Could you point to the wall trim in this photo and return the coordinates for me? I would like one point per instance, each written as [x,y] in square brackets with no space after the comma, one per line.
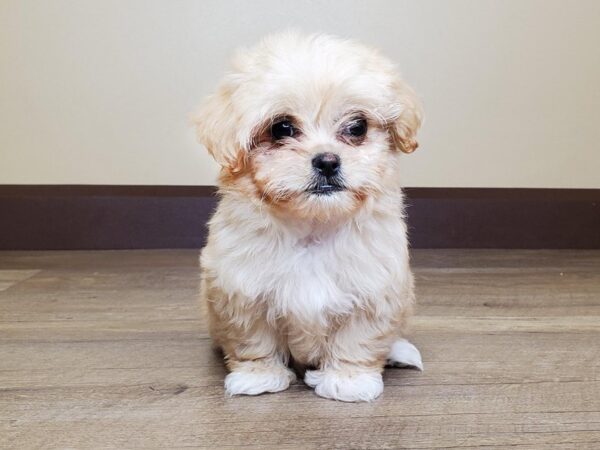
[68,217]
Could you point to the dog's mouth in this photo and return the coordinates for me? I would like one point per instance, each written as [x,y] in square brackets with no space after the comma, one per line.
[326,187]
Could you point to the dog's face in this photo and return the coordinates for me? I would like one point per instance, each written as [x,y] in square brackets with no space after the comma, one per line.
[311,126]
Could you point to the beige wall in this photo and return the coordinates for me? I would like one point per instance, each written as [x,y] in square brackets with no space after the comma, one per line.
[100,91]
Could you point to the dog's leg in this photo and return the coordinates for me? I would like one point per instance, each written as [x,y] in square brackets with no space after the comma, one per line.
[353,362]
[255,377]
[404,354]
[254,353]
[256,360]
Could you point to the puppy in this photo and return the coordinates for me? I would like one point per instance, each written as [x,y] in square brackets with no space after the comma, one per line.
[307,253]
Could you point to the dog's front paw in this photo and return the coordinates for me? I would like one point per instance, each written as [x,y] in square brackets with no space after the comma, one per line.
[254,381]
[347,387]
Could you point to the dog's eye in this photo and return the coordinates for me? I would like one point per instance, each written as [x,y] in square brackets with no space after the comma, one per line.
[282,129]
[357,128]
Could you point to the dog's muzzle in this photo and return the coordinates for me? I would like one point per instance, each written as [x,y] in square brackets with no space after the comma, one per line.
[327,174]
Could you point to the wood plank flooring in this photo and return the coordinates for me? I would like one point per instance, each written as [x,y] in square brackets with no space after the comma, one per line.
[107,350]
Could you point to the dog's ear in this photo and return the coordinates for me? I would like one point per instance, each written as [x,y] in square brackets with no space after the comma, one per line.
[216,126]
[406,118]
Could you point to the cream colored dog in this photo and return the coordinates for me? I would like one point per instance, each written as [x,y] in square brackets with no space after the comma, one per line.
[307,253]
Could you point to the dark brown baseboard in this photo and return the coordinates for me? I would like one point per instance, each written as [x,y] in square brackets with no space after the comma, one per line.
[52,217]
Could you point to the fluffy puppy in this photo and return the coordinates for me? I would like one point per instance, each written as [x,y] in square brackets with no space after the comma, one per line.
[307,253]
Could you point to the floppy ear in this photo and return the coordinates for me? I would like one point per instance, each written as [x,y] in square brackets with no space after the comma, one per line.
[216,126]
[407,118]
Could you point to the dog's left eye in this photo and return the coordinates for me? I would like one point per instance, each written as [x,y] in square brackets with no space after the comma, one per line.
[282,129]
[357,128]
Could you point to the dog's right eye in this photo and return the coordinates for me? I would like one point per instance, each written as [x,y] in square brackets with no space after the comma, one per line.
[282,129]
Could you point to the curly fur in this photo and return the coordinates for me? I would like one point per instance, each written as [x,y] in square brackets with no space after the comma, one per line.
[322,278]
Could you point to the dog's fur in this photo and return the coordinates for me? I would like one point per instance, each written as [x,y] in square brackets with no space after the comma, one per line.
[323,278]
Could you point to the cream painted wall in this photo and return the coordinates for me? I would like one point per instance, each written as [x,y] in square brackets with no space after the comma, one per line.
[100,91]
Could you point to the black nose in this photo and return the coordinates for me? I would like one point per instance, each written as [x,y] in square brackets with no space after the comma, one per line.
[327,164]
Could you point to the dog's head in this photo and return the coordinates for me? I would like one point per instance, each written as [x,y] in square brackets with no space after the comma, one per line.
[311,126]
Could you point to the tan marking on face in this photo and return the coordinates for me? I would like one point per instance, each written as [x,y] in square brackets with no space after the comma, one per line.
[235,170]
[263,193]
[360,197]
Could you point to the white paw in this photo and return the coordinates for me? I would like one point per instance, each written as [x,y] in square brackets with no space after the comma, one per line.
[403,354]
[254,382]
[352,387]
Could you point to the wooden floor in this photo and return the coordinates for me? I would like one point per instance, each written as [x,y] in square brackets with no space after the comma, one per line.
[106,350]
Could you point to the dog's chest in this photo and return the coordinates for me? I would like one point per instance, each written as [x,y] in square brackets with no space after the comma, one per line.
[314,276]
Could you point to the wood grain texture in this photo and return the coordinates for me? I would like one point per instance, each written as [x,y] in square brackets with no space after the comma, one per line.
[107,350]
